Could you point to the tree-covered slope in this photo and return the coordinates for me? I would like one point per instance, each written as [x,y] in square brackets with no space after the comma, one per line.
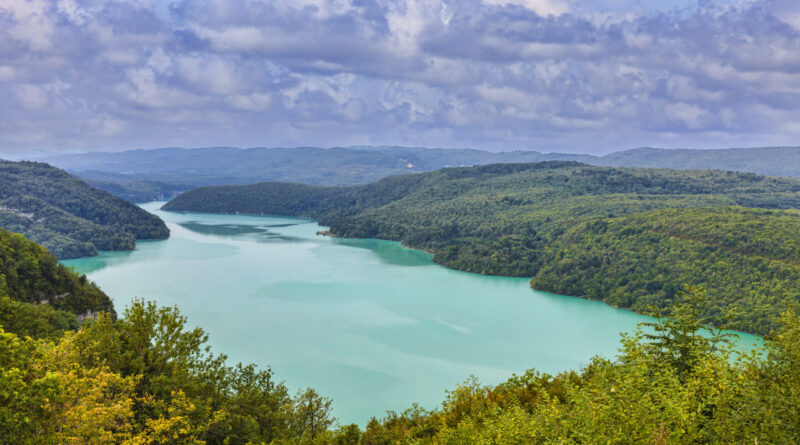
[519,220]
[66,215]
[31,274]
[749,257]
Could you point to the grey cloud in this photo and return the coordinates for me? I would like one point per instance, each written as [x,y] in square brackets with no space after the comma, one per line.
[119,74]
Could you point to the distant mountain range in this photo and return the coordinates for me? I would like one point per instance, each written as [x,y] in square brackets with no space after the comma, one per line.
[144,175]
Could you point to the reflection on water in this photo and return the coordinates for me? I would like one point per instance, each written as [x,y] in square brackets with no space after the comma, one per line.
[258,233]
[389,252]
[103,260]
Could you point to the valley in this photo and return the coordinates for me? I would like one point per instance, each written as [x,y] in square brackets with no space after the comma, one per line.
[602,233]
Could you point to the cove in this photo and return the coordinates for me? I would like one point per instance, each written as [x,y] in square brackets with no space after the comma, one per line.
[369,323]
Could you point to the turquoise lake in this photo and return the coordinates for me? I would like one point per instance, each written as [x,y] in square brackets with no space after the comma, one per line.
[369,323]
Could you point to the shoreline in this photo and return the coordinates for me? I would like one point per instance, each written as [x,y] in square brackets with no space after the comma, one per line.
[328,233]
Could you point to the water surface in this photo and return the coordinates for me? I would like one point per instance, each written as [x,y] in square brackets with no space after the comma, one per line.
[369,323]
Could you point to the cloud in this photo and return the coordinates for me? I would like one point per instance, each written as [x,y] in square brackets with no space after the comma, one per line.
[497,74]
[541,7]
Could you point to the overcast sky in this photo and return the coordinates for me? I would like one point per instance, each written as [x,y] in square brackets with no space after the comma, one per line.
[549,75]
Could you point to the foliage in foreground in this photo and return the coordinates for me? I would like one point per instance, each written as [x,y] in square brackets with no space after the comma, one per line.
[148,379]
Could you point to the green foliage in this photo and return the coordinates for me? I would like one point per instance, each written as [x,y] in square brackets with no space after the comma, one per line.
[34,320]
[627,236]
[149,378]
[68,216]
[748,256]
[180,386]
[678,340]
[31,274]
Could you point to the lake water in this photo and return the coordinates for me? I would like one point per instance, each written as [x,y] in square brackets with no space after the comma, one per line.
[369,323]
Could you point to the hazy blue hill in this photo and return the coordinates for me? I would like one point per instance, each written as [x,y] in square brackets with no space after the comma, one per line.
[599,232]
[341,162]
[772,161]
[142,175]
[66,215]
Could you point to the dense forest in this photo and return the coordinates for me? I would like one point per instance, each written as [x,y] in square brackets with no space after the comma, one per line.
[149,378]
[31,274]
[575,229]
[147,175]
[68,216]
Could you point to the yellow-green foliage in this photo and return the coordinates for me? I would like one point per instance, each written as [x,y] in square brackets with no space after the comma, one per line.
[147,379]
[29,273]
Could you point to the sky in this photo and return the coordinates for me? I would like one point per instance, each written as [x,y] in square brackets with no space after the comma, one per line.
[547,75]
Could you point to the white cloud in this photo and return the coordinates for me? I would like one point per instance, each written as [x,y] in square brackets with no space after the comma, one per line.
[32,97]
[487,73]
[159,61]
[31,23]
[541,7]
[213,75]
[250,102]
[7,73]
[692,116]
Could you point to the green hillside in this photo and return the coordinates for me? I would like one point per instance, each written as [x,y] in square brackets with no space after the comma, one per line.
[66,215]
[31,274]
[749,257]
[525,220]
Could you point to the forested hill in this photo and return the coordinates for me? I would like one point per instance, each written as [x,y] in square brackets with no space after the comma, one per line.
[31,274]
[597,232]
[66,215]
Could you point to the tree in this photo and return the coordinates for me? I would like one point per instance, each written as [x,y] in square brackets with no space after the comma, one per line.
[678,339]
[311,415]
